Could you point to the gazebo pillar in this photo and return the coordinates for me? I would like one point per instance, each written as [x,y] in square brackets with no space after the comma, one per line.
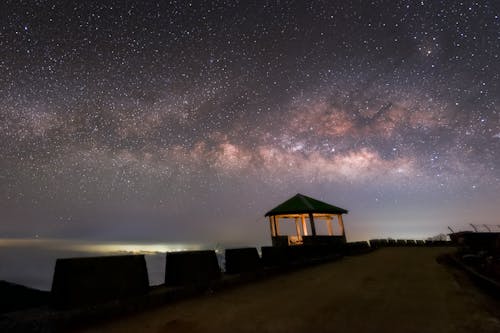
[313,227]
[271,224]
[297,228]
[341,224]
[329,225]
[304,225]
[276,225]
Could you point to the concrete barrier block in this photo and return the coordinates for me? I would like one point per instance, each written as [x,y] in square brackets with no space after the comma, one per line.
[375,243]
[197,268]
[378,243]
[275,256]
[86,281]
[357,247]
[242,260]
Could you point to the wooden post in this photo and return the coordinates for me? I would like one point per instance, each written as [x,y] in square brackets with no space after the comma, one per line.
[297,228]
[304,225]
[276,225]
[313,227]
[341,224]
[329,225]
[271,224]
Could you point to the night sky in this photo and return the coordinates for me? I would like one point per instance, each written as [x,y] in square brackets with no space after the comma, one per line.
[188,121]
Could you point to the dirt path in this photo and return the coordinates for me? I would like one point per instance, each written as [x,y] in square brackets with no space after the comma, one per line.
[390,290]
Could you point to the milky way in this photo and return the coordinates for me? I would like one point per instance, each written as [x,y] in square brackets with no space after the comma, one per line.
[189,120]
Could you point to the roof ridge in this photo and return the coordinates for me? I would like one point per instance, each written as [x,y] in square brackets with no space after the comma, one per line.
[305,201]
[303,204]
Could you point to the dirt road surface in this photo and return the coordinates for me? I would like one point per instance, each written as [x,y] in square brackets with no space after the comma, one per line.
[389,290]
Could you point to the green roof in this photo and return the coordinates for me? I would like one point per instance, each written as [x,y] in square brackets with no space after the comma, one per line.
[301,204]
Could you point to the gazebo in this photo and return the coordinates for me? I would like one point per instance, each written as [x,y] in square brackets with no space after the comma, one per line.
[297,210]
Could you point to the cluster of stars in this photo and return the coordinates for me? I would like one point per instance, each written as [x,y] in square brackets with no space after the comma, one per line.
[170,103]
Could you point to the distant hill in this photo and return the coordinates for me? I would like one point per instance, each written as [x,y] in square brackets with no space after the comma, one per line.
[16,297]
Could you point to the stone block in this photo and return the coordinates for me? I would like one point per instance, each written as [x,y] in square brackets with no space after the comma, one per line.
[195,268]
[242,260]
[92,280]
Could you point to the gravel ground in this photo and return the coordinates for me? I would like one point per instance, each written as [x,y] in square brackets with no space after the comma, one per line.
[389,290]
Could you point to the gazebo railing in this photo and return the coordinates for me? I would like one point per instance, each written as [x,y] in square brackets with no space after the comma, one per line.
[318,240]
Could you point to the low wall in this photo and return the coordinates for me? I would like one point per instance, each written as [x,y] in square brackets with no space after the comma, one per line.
[378,243]
[282,256]
[400,242]
[357,248]
[86,281]
[323,240]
